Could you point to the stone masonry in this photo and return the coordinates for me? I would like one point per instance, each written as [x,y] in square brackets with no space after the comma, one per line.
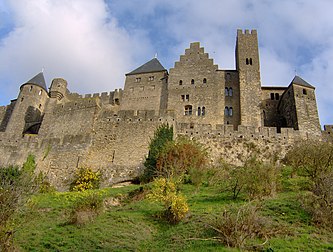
[227,110]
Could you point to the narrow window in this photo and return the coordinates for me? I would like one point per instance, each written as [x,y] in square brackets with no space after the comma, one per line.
[183,97]
[230,111]
[192,81]
[272,96]
[230,91]
[40,106]
[277,96]
[180,82]
[22,99]
[188,110]
[30,89]
[251,61]
[247,61]
[203,111]
[187,97]
[204,81]
[226,111]
[151,78]
[40,92]
[199,111]
[226,91]
[304,91]
[137,79]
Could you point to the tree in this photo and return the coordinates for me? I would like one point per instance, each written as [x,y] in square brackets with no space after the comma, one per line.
[162,136]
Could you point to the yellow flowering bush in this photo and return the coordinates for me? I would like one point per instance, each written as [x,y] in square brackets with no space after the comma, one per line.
[165,192]
[85,179]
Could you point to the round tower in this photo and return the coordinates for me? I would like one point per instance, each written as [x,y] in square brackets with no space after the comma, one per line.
[29,107]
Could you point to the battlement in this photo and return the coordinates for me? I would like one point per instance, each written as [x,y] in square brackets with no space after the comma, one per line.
[240,32]
[242,132]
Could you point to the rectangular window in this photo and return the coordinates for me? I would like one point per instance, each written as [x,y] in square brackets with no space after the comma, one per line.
[188,110]
[272,96]
[187,97]
[183,97]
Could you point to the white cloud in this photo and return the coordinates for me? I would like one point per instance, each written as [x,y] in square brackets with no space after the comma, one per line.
[73,39]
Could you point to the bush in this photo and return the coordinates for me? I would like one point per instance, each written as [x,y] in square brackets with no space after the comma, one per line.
[314,161]
[239,224]
[85,179]
[86,208]
[162,136]
[16,185]
[183,157]
[255,179]
[175,205]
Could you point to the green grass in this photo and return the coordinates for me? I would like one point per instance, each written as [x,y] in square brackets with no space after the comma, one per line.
[135,225]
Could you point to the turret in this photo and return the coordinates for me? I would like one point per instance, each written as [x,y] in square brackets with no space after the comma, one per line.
[58,88]
[29,108]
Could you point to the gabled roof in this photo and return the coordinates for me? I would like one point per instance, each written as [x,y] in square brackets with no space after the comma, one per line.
[299,81]
[151,66]
[38,80]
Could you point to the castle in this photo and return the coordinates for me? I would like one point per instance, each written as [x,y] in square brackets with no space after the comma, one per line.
[224,109]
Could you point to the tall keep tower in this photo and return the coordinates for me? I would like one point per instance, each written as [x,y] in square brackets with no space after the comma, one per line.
[248,67]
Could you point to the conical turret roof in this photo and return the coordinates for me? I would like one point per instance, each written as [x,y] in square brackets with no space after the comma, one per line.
[151,66]
[299,81]
[38,80]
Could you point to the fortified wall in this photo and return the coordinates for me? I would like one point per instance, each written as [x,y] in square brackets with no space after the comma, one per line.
[226,110]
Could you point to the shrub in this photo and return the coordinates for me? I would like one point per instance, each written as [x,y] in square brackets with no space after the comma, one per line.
[16,185]
[85,178]
[162,136]
[236,225]
[181,157]
[86,208]
[255,179]
[175,205]
[314,161]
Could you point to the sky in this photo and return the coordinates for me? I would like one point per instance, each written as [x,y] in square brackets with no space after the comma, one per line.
[94,43]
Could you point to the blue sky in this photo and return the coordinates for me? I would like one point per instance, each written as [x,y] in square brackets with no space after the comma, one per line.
[92,44]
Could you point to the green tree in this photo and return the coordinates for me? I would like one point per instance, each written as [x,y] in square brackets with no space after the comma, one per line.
[162,136]
[16,186]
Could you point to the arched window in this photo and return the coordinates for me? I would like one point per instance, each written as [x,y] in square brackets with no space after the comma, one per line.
[226,111]
[180,82]
[204,81]
[226,91]
[199,111]
[203,111]
[192,81]
[230,111]
[277,96]
[188,110]
[230,91]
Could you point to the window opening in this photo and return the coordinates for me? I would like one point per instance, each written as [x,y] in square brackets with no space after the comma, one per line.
[226,91]
[188,110]
[137,79]
[251,61]
[272,96]
[203,111]
[277,96]
[192,81]
[247,61]
[226,111]
[180,82]
[230,91]
[183,97]
[40,92]
[30,89]
[304,91]
[199,111]
[230,111]
[187,97]
[204,81]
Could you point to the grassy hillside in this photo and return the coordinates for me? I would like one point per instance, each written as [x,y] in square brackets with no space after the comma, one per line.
[132,223]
